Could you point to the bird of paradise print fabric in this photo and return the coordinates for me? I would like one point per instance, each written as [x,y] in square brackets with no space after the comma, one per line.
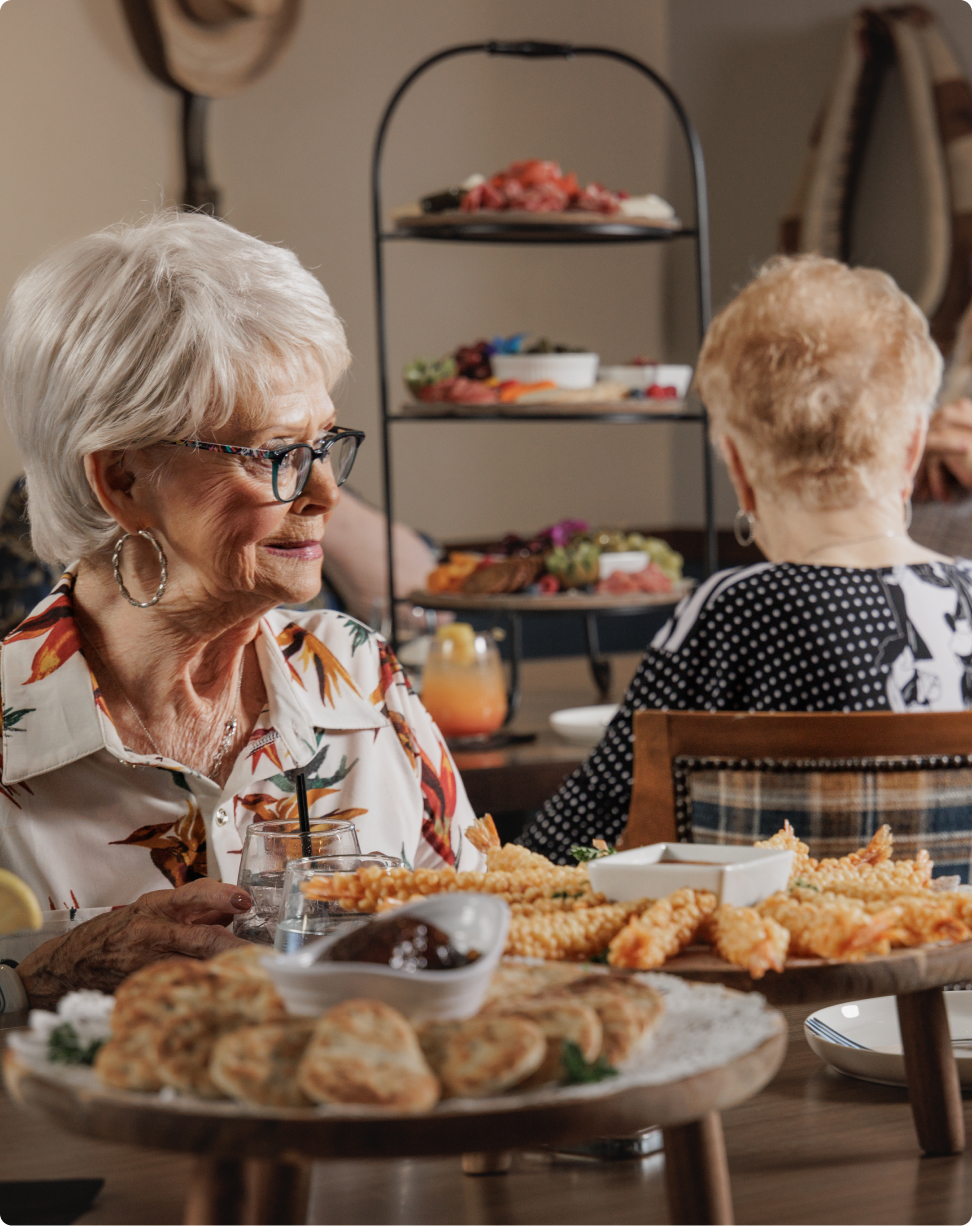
[90,824]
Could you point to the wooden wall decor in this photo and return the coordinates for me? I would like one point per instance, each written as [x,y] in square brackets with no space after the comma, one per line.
[207,49]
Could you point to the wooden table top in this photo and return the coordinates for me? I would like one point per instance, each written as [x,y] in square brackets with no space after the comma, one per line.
[814,1146]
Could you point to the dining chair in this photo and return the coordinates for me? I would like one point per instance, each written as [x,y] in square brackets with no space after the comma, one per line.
[733,777]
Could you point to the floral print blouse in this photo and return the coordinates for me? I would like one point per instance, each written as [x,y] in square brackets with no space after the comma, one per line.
[89,824]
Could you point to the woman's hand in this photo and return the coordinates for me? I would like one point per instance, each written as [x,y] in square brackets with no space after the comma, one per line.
[947,462]
[189,920]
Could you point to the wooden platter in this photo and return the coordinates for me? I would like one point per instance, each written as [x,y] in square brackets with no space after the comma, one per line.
[815,981]
[513,225]
[581,602]
[629,410]
[234,1131]
[711,1049]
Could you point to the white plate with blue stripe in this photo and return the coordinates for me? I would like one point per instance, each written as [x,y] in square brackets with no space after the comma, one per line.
[862,1038]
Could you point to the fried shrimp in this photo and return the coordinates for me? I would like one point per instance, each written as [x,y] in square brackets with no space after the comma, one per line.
[745,938]
[666,927]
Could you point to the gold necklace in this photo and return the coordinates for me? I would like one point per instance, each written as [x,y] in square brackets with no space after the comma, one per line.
[229,728]
[861,540]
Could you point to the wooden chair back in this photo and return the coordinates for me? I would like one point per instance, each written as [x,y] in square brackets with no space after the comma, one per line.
[661,736]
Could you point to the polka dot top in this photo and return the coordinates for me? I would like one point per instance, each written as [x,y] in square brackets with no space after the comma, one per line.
[779,637]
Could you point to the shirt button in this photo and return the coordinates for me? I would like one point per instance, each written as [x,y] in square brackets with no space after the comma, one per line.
[222,817]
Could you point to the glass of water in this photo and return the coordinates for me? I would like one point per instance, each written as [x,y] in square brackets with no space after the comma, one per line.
[267,850]
[303,918]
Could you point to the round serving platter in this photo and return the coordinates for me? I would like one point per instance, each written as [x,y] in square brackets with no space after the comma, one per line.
[818,981]
[713,1049]
[566,602]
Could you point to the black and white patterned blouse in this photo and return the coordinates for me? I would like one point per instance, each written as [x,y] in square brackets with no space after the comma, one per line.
[779,637]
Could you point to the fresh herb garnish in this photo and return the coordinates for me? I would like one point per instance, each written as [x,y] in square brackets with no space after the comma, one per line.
[566,894]
[64,1046]
[591,853]
[601,956]
[805,885]
[577,1071]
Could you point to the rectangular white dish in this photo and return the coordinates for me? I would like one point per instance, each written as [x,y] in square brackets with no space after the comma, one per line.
[742,876]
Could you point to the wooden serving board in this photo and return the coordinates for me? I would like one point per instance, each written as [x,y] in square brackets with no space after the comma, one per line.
[575,408]
[520,219]
[815,981]
[234,1131]
[518,602]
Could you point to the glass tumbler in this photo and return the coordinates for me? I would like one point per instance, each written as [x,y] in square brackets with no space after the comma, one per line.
[267,850]
[463,683]
[304,918]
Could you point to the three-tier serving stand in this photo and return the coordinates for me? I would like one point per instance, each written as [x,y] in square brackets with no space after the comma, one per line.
[549,230]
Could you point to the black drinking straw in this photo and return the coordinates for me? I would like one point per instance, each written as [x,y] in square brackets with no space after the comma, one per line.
[303,814]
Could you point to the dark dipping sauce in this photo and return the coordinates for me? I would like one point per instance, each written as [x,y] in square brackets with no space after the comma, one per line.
[404,943]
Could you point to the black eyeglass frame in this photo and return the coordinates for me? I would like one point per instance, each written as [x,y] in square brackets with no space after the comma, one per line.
[276,456]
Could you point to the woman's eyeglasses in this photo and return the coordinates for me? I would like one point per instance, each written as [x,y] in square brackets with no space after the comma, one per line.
[289,468]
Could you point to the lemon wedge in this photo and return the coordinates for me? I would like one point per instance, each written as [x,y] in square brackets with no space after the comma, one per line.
[19,907]
[457,642]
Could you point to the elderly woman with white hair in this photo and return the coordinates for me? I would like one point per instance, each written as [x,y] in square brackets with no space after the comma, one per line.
[168,386]
[818,379]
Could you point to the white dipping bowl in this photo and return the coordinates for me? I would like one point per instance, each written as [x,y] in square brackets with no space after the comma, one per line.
[583,725]
[635,377]
[743,876]
[569,370]
[472,921]
[629,562]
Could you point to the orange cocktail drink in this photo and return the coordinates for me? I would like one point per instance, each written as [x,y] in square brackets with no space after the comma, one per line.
[463,685]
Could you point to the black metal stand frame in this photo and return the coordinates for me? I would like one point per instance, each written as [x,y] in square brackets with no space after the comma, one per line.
[581,233]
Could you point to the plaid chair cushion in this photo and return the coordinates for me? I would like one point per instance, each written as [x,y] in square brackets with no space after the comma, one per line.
[834,807]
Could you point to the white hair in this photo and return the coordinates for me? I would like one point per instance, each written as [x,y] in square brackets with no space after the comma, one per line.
[142,333]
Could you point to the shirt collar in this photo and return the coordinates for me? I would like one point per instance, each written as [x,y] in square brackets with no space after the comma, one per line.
[53,713]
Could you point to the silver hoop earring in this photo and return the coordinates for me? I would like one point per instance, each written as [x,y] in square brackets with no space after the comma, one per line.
[908,513]
[745,536]
[163,565]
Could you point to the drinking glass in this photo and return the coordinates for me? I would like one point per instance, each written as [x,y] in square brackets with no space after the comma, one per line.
[302,918]
[267,850]
[463,684]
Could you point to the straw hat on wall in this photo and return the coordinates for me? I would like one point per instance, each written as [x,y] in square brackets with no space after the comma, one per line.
[210,47]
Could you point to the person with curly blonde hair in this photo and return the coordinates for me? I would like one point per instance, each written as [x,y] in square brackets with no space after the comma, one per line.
[819,380]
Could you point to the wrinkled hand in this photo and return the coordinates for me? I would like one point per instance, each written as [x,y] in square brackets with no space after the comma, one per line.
[946,467]
[101,952]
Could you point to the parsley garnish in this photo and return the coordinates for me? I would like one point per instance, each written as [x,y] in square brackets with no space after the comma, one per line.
[577,1071]
[64,1047]
[590,853]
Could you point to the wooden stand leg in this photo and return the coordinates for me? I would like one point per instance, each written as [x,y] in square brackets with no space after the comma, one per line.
[933,1083]
[216,1193]
[696,1174]
[494,1163]
[276,1193]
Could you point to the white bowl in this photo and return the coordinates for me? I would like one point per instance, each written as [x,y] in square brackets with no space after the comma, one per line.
[565,369]
[862,1038]
[679,377]
[629,562]
[583,725]
[472,921]
[742,876]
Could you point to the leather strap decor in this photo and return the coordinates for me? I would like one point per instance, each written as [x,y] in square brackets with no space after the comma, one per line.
[939,101]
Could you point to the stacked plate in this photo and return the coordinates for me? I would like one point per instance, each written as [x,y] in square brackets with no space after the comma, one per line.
[862,1038]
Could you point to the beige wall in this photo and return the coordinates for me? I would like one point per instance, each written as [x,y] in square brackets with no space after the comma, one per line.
[753,74]
[94,141]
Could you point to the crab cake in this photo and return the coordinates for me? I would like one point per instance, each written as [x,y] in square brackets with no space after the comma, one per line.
[483,1055]
[517,979]
[258,1064]
[184,1047]
[364,1051]
[621,1022]
[562,1021]
[186,988]
[129,1062]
